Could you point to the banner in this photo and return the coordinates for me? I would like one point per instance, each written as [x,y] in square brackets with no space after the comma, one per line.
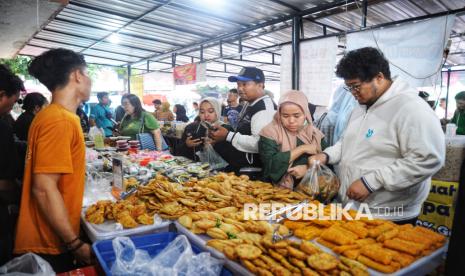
[158,81]
[414,50]
[189,73]
[317,62]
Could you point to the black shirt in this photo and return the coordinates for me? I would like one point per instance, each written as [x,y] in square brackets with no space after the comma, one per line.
[22,124]
[9,161]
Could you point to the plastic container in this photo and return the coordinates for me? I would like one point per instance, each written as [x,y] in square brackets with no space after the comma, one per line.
[98,232]
[153,244]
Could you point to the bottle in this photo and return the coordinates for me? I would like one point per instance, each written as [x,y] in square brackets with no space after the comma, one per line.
[99,140]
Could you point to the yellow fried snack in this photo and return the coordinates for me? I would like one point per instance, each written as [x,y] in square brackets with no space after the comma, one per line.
[378,230]
[308,232]
[431,234]
[415,236]
[263,272]
[249,265]
[294,225]
[402,258]
[366,241]
[185,221]
[205,224]
[145,219]
[357,228]
[126,220]
[95,215]
[326,243]
[197,230]
[377,266]
[390,234]
[230,253]
[322,261]
[216,233]
[309,272]
[404,246]
[247,251]
[309,247]
[296,253]
[226,210]
[297,262]
[217,244]
[376,253]
[352,263]
[335,235]
[342,248]
[352,254]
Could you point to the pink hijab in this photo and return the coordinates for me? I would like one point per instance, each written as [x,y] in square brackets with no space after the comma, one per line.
[287,140]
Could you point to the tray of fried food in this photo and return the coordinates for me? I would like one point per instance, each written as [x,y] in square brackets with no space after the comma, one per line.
[383,245]
[130,213]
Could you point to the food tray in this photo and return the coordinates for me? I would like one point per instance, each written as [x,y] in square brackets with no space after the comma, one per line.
[108,229]
[423,266]
[153,244]
[420,267]
[201,240]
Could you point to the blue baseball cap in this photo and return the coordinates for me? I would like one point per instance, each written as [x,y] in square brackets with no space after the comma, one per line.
[248,74]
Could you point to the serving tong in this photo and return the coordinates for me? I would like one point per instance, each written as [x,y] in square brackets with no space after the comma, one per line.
[284,213]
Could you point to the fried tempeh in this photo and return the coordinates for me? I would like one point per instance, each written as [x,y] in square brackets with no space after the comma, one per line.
[376,253]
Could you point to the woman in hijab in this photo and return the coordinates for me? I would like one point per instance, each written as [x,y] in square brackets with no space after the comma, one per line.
[181,114]
[289,140]
[196,133]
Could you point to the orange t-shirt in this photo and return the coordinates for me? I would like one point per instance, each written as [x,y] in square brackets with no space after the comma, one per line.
[55,145]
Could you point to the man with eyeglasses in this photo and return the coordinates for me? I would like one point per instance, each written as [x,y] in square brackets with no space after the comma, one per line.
[393,142]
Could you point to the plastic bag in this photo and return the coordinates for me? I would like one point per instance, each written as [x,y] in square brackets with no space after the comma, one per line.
[319,182]
[27,264]
[176,255]
[129,260]
[210,156]
[202,264]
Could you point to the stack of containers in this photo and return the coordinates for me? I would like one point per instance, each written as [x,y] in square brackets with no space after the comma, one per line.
[438,209]
[122,145]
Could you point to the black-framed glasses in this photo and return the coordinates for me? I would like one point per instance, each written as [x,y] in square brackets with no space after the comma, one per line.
[353,88]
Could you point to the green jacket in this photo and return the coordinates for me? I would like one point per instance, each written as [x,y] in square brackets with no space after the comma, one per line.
[275,162]
[459,121]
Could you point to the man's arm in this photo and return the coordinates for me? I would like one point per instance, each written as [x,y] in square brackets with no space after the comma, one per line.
[249,143]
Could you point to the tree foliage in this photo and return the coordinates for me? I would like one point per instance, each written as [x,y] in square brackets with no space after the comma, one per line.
[18,65]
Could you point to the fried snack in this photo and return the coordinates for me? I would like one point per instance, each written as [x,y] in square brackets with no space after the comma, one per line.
[289,266]
[352,254]
[390,234]
[404,246]
[185,221]
[297,262]
[309,248]
[294,225]
[229,228]
[322,261]
[205,224]
[335,235]
[378,230]
[326,243]
[145,219]
[352,263]
[429,233]
[357,228]
[247,251]
[341,249]
[323,223]
[366,241]
[309,272]
[415,236]
[373,222]
[95,215]
[376,253]
[196,230]
[217,244]
[308,232]
[230,253]
[249,265]
[216,233]
[283,252]
[263,272]
[126,220]
[377,266]
[402,258]
[296,253]
[226,210]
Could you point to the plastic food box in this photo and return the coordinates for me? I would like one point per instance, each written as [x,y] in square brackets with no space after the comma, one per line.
[107,229]
[153,244]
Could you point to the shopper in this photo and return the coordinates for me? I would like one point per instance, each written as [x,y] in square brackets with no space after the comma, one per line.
[164,113]
[240,147]
[233,109]
[32,104]
[119,112]
[195,134]
[101,115]
[53,185]
[459,115]
[10,87]
[393,142]
[137,120]
[181,115]
[288,141]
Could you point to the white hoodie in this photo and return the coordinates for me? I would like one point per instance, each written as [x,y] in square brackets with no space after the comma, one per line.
[394,147]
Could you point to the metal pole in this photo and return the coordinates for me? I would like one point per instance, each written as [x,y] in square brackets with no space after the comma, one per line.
[129,78]
[447,92]
[364,13]
[201,53]
[296,22]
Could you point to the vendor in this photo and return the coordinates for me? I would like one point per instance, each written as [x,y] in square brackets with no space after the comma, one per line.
[137,120]
[287,142]
[393,142]
[196,133]
[459,115]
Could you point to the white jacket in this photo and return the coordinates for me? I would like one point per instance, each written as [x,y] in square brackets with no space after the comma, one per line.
[394,147]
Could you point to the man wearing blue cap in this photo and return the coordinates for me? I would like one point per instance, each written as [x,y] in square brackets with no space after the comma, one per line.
[241,144]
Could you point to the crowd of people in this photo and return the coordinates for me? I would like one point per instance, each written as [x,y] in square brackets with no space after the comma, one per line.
[390,145]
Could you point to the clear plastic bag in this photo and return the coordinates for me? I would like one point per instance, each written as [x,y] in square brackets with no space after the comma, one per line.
[129,260]
[210,156]
[27,264]
[319,182]
[176,255]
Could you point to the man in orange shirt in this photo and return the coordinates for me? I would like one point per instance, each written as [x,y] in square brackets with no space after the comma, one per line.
[53,185]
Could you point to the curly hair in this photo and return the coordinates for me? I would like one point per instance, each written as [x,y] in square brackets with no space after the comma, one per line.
[53,67]
[364,64]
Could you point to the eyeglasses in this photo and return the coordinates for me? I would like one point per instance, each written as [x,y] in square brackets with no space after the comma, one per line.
[353,88]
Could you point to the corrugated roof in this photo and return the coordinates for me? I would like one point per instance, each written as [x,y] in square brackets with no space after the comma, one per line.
[152,30]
